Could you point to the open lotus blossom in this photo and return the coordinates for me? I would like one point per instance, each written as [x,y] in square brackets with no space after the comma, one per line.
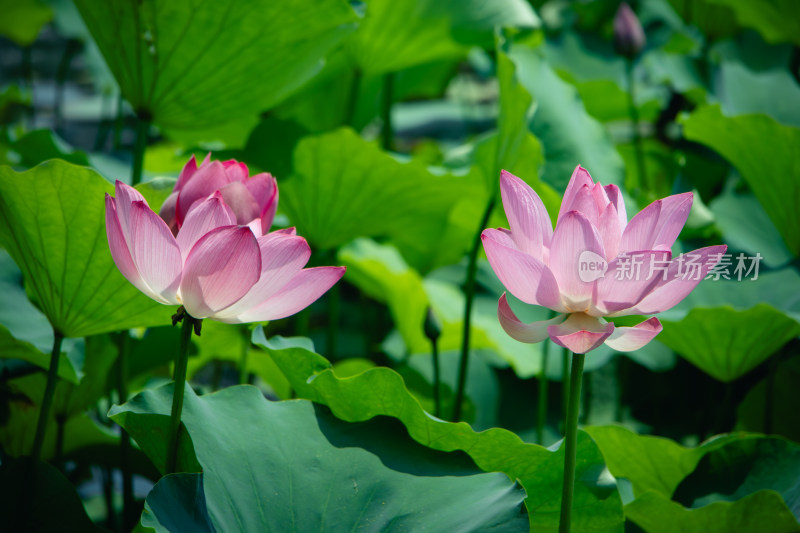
[253,200]
[215,267]
[595,264]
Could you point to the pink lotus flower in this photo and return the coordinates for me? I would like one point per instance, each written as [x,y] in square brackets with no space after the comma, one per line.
[253,200]
[575,270]
[214,267]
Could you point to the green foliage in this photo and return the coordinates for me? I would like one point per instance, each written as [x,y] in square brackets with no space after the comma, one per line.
[754,235]
[44,493]
[760,511]
[757,146]
[344,187]
[385,42]
[52,223]
[568,134]
[172,81]
[777,20]
[23,19]
[40,145]
[11,348]
[769,407]
[381,392]
[327,475]
[741,467]
[68,414]
[729,483]
[650,463]
[301,89]
[726,343]
[381,272]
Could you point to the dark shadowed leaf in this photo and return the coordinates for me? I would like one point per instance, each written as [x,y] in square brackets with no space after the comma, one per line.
[37,498]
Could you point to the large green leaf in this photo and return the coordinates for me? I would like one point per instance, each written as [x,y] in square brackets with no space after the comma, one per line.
[758,147]
[52,223]
[763,511]
[778,21]
[345,187]
[387,42]
[569,135]
[308,471]
[726,343]
[191,64]
[382,392]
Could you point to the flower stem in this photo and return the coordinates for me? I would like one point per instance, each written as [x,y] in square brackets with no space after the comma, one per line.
[142,128]
[334,306]
[437,402]
[570,442]
[588,391]
[58,456]
[27,76]
[179,378]
[352,98]
[564,387]
[622,372]
[637,138]
[542,415]
[386,111]
[769,393]
[47,399]
[244,375]
[72,48]
[118,123]
[124,345]
[469,296]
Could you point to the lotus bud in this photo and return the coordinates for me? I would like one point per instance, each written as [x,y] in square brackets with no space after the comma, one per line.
[433,327]
[629,36]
